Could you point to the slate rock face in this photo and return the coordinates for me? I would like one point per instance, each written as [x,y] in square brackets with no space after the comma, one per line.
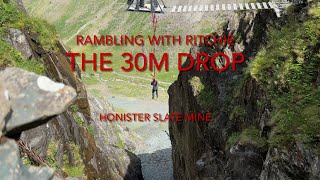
[18,40]
[4,108]
[37,139]
[27,100]
[11,166]
[296,162]
[34,99]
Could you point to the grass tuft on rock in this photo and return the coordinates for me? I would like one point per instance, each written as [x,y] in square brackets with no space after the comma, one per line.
[251,135]
[76,170]
[9,57]
[11,17]
[196,85]
[233,139]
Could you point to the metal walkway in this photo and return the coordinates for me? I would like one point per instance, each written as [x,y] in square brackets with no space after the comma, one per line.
[232,7]
[278,6]
[223,7]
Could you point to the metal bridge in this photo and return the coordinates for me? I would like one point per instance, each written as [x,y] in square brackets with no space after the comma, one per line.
[277,7]
[154,6]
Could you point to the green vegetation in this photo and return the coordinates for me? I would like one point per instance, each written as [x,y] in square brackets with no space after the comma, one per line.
[76,170]
[110,18]
[233,139]
[196,84]
[78,120]
[51,155]
[90,80]
[251,135]
[120,110]
[132,90]
[91,129]
[206,99]
[47,35]
[73,171]
[9,57]
[238,113]
[120,143]
[287,68]
[112,76]
[32,66]
[26,160]
[11,17]
[74,108]
[97,93]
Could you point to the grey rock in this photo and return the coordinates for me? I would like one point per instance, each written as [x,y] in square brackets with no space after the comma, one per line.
[12,168]
[125,165]
[34,99]
[74,178]
[199,149]
[296,162]
[57,178]
[37,139]
[245,162]
[4,108]
[18,40]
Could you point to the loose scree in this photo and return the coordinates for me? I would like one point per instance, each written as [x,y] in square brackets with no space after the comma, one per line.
[141,61]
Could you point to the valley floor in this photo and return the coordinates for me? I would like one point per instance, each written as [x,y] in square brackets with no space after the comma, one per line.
[155,154]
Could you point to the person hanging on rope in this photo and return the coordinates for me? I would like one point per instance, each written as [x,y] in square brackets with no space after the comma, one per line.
[154,84]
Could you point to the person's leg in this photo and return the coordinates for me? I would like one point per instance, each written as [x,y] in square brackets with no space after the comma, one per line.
[152,93]
[157,93]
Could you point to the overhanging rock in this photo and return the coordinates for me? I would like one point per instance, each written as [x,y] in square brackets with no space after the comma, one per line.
[34,99]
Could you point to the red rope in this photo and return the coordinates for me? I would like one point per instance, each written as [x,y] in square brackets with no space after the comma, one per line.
[155,23]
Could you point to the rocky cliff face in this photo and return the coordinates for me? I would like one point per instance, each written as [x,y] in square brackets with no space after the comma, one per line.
[21,93]
[70,139]
[81,127]
[238,143]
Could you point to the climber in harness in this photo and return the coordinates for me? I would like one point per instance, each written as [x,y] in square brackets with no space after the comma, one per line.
[154,84]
